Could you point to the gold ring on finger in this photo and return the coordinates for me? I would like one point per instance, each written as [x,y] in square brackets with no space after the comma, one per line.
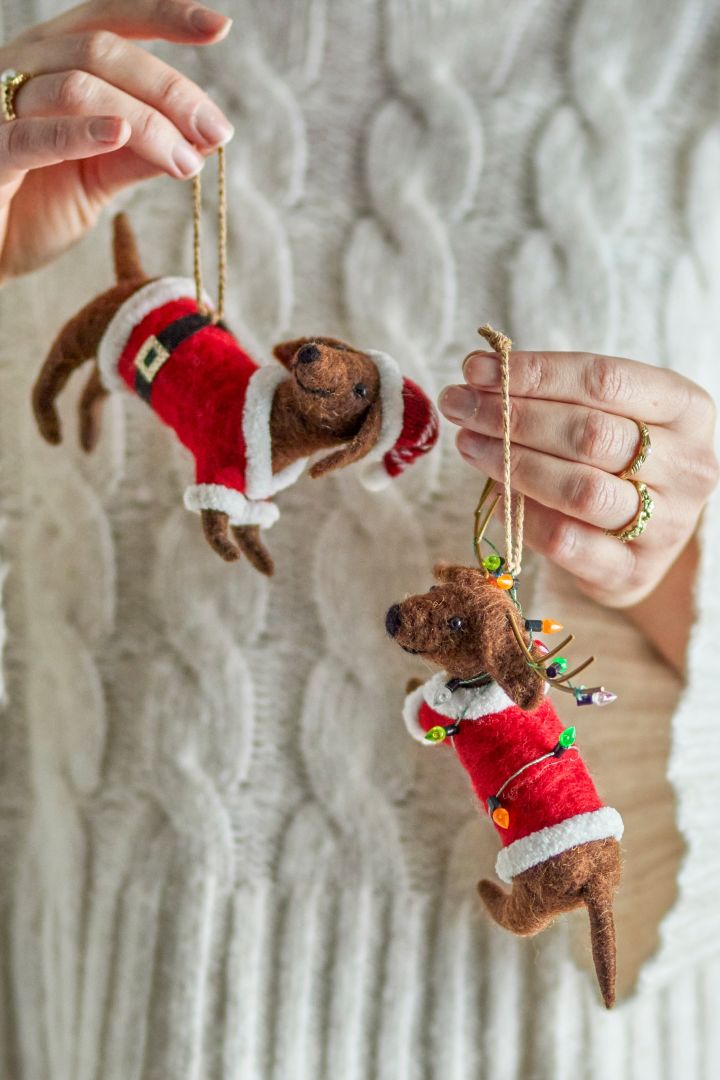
[643,452]
[10,83]
[639,523]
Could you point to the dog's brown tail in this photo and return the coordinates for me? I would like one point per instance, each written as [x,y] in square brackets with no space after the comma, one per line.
[125,250]
[599,899]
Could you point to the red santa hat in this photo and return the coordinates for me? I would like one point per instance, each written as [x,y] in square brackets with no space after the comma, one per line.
[409,426]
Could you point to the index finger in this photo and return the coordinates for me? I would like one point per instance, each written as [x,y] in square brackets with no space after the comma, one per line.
[610,383]
[180,21]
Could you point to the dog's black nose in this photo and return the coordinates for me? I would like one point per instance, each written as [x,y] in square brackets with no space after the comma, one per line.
[392,620]
[307,354]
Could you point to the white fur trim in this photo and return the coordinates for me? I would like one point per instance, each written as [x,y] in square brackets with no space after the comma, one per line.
[545,843]
[260,482]
[240,510]
[469,703]
[129,315]
[411,713]
[373,475]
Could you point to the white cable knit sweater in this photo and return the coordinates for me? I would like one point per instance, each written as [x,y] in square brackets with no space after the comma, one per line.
[223,858]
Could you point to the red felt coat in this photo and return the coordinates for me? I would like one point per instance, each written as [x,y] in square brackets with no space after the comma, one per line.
[199,380]
[552,805]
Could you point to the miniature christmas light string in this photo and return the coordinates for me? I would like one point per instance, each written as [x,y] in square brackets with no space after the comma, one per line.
[505,572]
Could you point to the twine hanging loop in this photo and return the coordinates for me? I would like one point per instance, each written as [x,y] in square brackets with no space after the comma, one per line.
[513,506]
[218,314]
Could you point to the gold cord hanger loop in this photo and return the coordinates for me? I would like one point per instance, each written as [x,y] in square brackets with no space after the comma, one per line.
[218,314]
[513,530]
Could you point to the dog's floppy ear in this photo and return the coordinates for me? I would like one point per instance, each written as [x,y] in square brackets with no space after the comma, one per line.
[285,350]
[502,658]
[511,670]
[360,445]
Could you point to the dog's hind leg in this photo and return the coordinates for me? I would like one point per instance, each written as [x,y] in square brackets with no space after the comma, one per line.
[215,526]
[252,547]
[520,910]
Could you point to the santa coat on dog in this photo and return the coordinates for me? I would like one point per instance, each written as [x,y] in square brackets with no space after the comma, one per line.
[218,400]
[553,806]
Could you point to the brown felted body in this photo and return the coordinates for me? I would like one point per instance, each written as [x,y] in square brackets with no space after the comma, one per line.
[463,625]
[331,402]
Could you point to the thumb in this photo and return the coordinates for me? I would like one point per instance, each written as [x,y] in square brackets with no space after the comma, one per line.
[105,176]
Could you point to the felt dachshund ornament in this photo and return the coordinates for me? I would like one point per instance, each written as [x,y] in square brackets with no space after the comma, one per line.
[251,428]
[488,702]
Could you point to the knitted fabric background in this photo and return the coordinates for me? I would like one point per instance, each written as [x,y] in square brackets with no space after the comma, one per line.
[223,856]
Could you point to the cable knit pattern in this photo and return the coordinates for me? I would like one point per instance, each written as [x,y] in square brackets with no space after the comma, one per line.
[222,855]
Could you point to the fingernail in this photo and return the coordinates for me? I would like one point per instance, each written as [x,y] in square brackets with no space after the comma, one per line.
[206,21]
[186,160]
[211,125]
[105,129]
[482,369]
[458,402]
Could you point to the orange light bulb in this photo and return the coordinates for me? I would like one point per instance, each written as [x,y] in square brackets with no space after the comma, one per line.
[549,626]
[501,817]
[504,581]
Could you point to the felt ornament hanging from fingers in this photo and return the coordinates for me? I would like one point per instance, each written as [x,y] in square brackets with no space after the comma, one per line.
[560,843]
[251,428]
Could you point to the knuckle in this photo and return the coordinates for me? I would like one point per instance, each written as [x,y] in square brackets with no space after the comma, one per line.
[591,494]
[606,380]
[30,36]
[149,128]
[635,571]
[16,137]
[599,437]
[171,10]
[533,375]
[561,541]
[73,90]
[706,471]
[173,91]
[96,47]
[517,461]
[516,420]
[60,136]
[705,404]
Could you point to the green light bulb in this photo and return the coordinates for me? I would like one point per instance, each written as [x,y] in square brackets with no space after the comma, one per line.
[567,737]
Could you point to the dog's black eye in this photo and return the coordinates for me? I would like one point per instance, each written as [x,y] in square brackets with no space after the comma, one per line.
[360,390]
[455,623]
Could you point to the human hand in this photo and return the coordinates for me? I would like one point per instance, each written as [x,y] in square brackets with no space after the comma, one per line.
[572,431]
[98,114]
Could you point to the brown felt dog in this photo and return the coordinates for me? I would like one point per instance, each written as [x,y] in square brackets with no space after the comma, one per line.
[463,624]
[334,399]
